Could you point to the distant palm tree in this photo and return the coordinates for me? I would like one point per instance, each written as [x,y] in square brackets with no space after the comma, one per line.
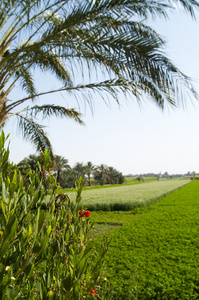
[30,162]
[112,175]
[61,164]
[100,174]
[89,168]
[66,37]
[79,170]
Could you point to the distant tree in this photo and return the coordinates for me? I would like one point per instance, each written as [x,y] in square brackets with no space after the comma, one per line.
[100,174]
[24,167]
[140,179]
[121,178]
[30,162]
[67,179]
[79,170]
[60,164]
[112,175]
[89,169]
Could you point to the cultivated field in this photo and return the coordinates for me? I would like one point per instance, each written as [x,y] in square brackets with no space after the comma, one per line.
[128,197]
[155,254]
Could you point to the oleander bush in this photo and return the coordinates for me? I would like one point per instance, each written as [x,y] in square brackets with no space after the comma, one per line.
[44,248]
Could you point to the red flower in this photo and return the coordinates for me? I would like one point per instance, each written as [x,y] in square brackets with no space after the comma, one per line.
[43,168]
[87,213]
[51,169]
[84,213]
[93,291]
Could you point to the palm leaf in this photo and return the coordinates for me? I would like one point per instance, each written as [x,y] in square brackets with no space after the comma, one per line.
[34,133]
[56,110]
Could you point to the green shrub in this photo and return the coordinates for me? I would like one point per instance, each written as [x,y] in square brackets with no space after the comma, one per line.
[44,247]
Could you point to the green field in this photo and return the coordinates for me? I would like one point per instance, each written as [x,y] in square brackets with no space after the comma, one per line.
[123,198]
[155,254]
[143,179]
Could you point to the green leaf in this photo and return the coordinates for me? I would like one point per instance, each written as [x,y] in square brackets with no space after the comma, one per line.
[41,291]
[88,275]
[12,189]
[4,192]
[48,279]
[88,248]
[41,219]
[32,270]
[29,269]
[4,248]
[49,230]
[11,227]
[81,267]
[25,203]
[3,209]
[44,241]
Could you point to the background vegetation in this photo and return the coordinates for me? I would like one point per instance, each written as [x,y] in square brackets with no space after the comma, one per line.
[66,175]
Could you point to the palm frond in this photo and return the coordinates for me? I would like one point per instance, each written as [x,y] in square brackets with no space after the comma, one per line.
[56,110]
[49,61]
[26,81]
[34,133]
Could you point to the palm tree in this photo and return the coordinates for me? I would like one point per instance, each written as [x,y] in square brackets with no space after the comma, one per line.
[30,162]
[100,174]
[61,164]
[89,168]
[59,36]
[79,170]
[112,175]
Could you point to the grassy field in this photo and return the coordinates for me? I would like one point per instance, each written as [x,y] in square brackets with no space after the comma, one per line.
[155,254]
[143,179]
[124,198]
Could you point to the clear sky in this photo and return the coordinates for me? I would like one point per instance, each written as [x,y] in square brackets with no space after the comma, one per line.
[131,138]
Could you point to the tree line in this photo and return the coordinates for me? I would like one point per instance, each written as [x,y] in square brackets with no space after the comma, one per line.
[67,175]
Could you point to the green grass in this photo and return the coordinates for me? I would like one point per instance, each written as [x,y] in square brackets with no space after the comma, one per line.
[155,255]
[127,197]
[145,179]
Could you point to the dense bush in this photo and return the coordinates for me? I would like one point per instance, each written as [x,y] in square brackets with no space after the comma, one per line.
[44,247]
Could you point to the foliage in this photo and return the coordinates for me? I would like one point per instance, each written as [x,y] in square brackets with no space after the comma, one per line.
[44,247]
[61,165]
[155,255]
[67,175]
[69,37]
[89,169]
[125,198]
[107,175]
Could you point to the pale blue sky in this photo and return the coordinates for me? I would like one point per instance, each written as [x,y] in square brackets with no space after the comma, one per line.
[133,139]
